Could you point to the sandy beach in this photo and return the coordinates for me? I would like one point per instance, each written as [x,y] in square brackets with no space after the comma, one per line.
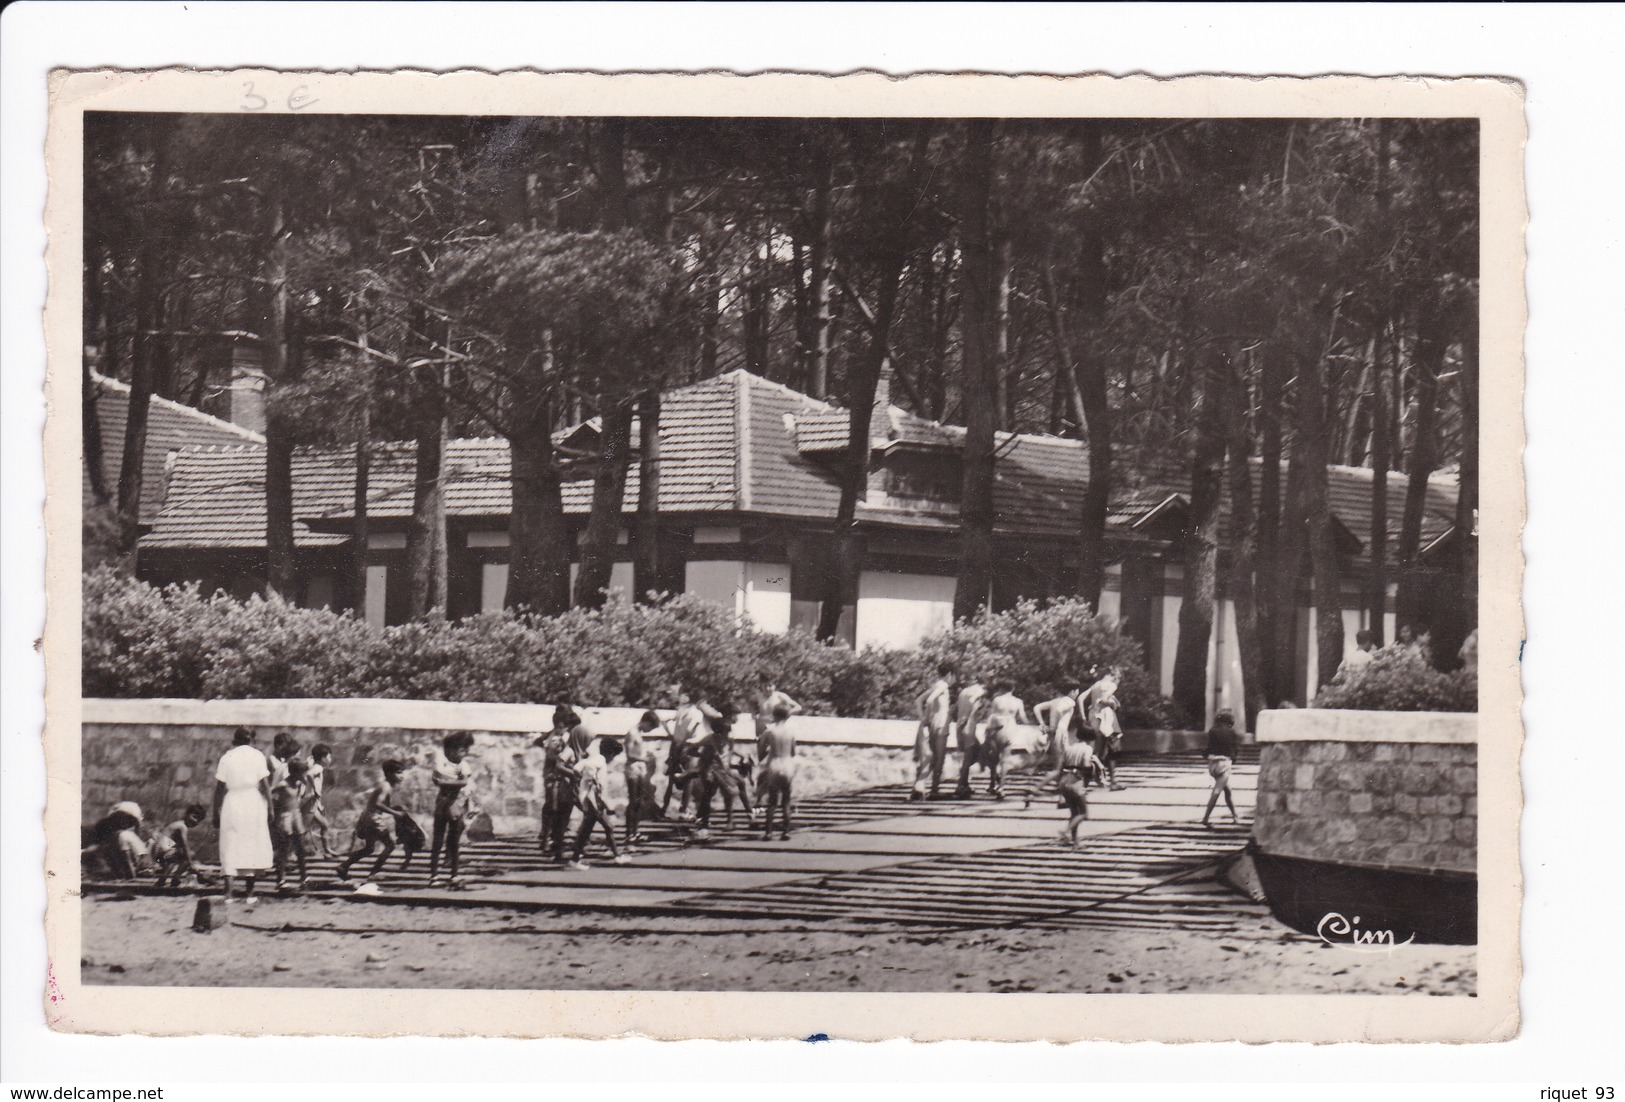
[148,941]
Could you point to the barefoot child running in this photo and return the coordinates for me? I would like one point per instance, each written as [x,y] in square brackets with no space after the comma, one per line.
[778,763]
[376,826]
[1055,717]
[452,773]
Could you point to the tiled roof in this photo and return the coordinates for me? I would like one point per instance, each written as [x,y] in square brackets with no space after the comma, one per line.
[170,427]
[735,442]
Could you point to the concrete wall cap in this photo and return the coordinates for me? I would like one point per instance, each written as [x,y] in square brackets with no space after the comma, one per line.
[1340,725]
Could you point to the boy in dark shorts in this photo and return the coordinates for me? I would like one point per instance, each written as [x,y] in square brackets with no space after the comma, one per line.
[1071,779]
[558,781]
[288,822]
[376,826]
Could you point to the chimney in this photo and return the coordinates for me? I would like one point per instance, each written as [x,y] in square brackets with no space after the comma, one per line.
[880,426]
[245,404]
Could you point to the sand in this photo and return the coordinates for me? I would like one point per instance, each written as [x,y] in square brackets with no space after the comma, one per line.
[147,941]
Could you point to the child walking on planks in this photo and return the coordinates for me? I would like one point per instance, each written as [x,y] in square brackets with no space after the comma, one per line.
[287,821]
[452,773]
[376,827]
[313,804]
[935,707]
[560,751]
[1222,744]
[1005,713]
[967,714]
[690,723]
[1108,738]
[640,786]
[592,773]
[1071,779]
[777,747]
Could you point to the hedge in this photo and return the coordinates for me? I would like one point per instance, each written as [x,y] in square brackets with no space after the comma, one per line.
[141,641]
[1402,678]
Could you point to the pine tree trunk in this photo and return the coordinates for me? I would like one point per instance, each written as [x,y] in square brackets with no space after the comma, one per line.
[144,371]
[539,542]
[1289,573]
[426,537]
[980,371]
[753,318]
[1376,586]
[1243,545]
[1376,592]
[862,381]
[359,518]
[1467,495]
[816,370]
[1314,442]
[1201,551]
[1273,676]
[646,558]
[1431,339]
[710,321]
[90,417]
[280,567]
[91,424]
[1002,363]
[1085,388]
[608,495]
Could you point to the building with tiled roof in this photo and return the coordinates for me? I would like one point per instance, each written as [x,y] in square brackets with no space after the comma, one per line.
[747,494]
[170,428]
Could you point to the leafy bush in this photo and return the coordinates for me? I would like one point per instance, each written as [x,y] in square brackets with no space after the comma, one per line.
[143,641]
[1037,649]
[1401,678]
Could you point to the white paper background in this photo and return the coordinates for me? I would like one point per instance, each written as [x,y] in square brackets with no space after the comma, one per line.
[1566,55]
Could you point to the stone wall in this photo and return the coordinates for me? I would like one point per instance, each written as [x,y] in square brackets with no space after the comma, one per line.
[162,753]
[164,767]
[1374,789]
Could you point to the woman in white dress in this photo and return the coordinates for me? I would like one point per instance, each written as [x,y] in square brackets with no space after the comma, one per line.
[242,811]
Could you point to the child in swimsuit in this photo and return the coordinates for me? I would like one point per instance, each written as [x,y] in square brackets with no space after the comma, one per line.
[452,773]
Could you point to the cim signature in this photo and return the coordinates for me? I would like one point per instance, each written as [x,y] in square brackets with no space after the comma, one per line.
[1345,933]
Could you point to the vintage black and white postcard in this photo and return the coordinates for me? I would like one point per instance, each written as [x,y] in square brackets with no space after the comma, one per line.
[723,556]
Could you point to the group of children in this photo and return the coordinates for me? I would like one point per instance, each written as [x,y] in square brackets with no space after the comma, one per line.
[986,719]
[702,764]
[1080,728]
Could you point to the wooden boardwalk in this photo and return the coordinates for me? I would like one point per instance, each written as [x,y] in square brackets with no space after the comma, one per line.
[874,856]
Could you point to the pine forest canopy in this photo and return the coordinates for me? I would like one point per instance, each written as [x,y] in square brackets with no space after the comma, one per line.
[1168,290]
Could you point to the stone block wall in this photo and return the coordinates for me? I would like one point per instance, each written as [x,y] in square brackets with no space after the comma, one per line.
[162,754]
[164,767]
[1358,790]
